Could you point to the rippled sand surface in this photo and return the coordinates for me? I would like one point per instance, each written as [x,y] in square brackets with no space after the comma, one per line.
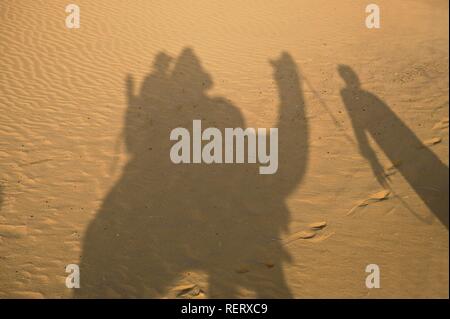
[84,180]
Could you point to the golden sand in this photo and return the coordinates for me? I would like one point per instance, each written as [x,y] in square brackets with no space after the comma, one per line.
[84,171]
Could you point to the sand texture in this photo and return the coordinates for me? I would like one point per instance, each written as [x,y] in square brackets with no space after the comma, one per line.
[86,178]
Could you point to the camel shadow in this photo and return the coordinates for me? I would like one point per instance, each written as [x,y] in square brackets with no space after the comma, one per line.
[420,167]
[161,221]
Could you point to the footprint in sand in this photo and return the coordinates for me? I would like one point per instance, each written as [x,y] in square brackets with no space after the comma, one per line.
[313,230]
[374,198]
[432,141]
[318,225]
[393,169]
[441,125]
[189,291]
[13,231]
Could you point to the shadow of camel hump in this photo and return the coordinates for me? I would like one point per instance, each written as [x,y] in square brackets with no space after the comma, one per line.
[162,220]
[420,167]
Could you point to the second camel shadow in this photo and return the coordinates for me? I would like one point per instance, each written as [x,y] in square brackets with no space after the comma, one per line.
[162,223]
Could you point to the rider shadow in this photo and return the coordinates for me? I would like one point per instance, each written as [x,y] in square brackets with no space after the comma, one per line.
[420,167]
[161,221]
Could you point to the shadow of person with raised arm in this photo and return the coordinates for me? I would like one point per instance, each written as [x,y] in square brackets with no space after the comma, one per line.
[421,168]
[161,220]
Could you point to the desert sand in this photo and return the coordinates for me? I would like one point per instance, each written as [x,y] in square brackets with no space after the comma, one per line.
[85,175]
